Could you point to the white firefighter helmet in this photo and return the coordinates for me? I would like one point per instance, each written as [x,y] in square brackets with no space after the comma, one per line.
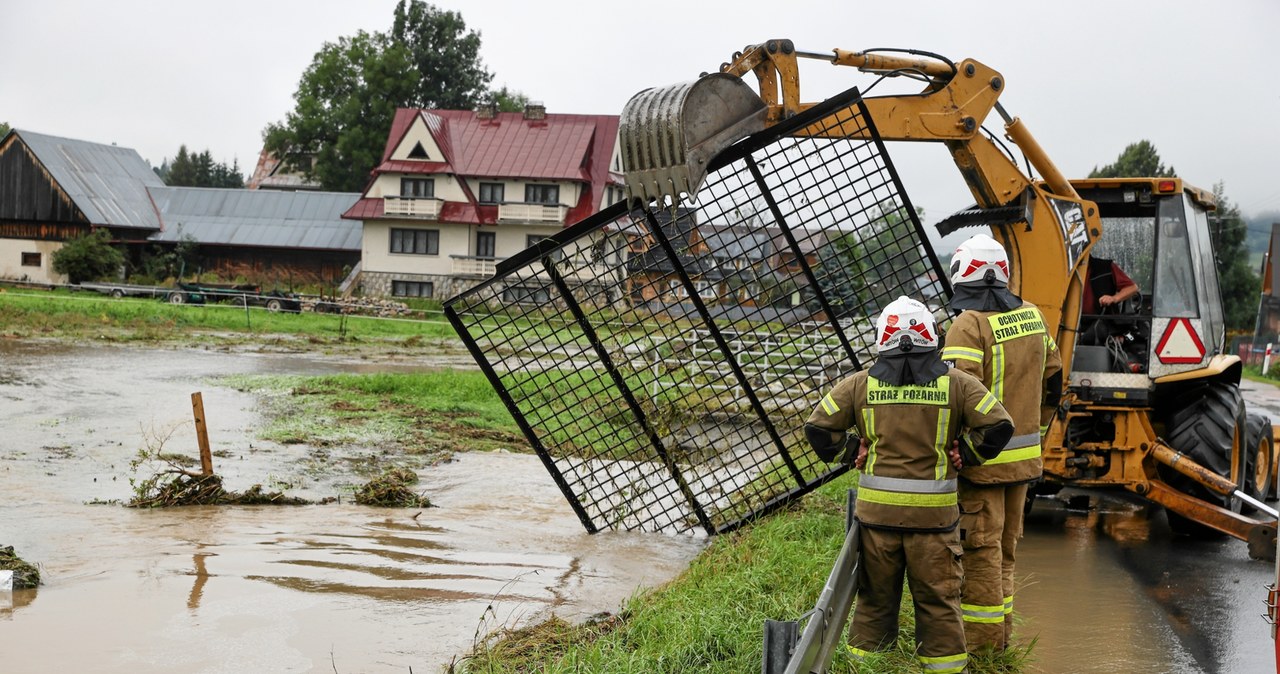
[905,321]
[975,257]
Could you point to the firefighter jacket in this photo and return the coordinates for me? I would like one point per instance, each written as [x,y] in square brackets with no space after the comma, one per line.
[908,481]
[1015,357]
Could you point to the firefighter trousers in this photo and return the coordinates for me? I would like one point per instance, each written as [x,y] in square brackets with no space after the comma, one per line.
[990,526]
[931,564]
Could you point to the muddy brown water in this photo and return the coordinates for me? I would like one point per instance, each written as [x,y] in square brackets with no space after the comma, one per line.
[267,589]
[353,589]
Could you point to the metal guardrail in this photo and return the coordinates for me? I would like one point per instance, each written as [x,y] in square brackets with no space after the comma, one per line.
[661,361]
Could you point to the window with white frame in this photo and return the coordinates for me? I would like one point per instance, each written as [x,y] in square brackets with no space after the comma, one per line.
[418,188]
[412,288]
[415,241]
[492,193]
[542,194]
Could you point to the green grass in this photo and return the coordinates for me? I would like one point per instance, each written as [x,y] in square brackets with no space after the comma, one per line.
[1254,373]
[419,413]
[30,313]
[711,618]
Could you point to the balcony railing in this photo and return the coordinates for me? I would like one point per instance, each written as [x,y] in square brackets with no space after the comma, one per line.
[470,265]
[532,213]
[413,207]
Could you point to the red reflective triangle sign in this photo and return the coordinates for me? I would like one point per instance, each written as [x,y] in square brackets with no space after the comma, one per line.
[1180,344]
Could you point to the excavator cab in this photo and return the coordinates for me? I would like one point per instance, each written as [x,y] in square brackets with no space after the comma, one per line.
[1155,236]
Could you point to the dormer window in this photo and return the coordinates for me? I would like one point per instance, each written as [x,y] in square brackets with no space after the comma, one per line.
[418,188]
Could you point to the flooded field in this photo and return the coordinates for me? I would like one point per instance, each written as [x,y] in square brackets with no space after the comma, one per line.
[272,589]
[352,589]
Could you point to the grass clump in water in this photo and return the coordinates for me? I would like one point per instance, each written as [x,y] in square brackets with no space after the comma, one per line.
[25,574]
[391,490]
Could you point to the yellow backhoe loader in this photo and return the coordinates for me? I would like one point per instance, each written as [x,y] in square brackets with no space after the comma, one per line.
[1153,408]
[1152,403]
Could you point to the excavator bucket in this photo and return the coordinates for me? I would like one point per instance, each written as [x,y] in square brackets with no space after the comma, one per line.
[669,134]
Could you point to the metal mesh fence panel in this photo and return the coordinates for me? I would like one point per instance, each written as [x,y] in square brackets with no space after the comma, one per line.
[662,360]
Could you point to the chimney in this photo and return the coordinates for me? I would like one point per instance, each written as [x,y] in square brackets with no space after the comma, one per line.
[487,110]
[535,111]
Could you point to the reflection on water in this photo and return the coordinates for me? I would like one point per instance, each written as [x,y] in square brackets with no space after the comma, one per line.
[1113,590]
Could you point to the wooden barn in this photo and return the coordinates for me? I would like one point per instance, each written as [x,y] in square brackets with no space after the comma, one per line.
[53,189]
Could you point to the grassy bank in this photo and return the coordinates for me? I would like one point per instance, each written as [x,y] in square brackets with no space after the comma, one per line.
[711,618]
[414,413]
[32,313]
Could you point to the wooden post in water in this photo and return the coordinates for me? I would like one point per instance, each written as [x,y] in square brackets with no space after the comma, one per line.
[202,434]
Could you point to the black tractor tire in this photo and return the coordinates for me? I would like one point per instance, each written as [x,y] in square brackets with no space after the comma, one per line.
[1262,477]
[239,300]
[117,293]
[177,298]
[274,306]
[1206,422]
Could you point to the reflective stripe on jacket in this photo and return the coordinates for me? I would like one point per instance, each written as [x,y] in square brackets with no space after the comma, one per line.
[908,481]
[1014,355]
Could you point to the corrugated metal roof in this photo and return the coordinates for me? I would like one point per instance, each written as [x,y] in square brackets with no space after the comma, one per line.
[107,183]
[270,218]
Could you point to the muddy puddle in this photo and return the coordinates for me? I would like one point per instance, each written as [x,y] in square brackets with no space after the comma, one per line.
[352,589]
[281,589]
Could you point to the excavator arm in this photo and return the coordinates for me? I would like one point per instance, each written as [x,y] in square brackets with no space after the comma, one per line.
[1045,225]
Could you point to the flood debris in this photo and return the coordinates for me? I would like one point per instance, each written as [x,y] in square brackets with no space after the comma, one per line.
[391,490]
[170,488]
[25,574]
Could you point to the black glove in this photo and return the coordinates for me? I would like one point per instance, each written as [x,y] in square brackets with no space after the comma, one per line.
[993,440]
[826,443]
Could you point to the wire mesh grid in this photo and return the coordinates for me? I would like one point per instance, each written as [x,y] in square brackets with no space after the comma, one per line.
[662,361]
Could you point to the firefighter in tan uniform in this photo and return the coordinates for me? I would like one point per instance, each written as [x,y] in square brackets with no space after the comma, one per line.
[1002,340]
[908,409]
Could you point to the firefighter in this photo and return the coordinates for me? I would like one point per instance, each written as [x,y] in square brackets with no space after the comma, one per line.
[1001,340]
[908,409]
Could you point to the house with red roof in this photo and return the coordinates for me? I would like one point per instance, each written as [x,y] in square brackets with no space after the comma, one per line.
[458,190]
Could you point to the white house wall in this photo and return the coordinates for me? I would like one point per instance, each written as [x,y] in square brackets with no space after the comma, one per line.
[11,266]
[446,186]
[377,255]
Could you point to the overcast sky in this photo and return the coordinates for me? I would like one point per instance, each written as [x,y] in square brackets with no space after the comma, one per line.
[1087,77]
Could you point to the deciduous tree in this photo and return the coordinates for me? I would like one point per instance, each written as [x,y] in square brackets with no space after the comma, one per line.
[88,258]
[1139,159]
[347,98]
[1237,280]
[445,55]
